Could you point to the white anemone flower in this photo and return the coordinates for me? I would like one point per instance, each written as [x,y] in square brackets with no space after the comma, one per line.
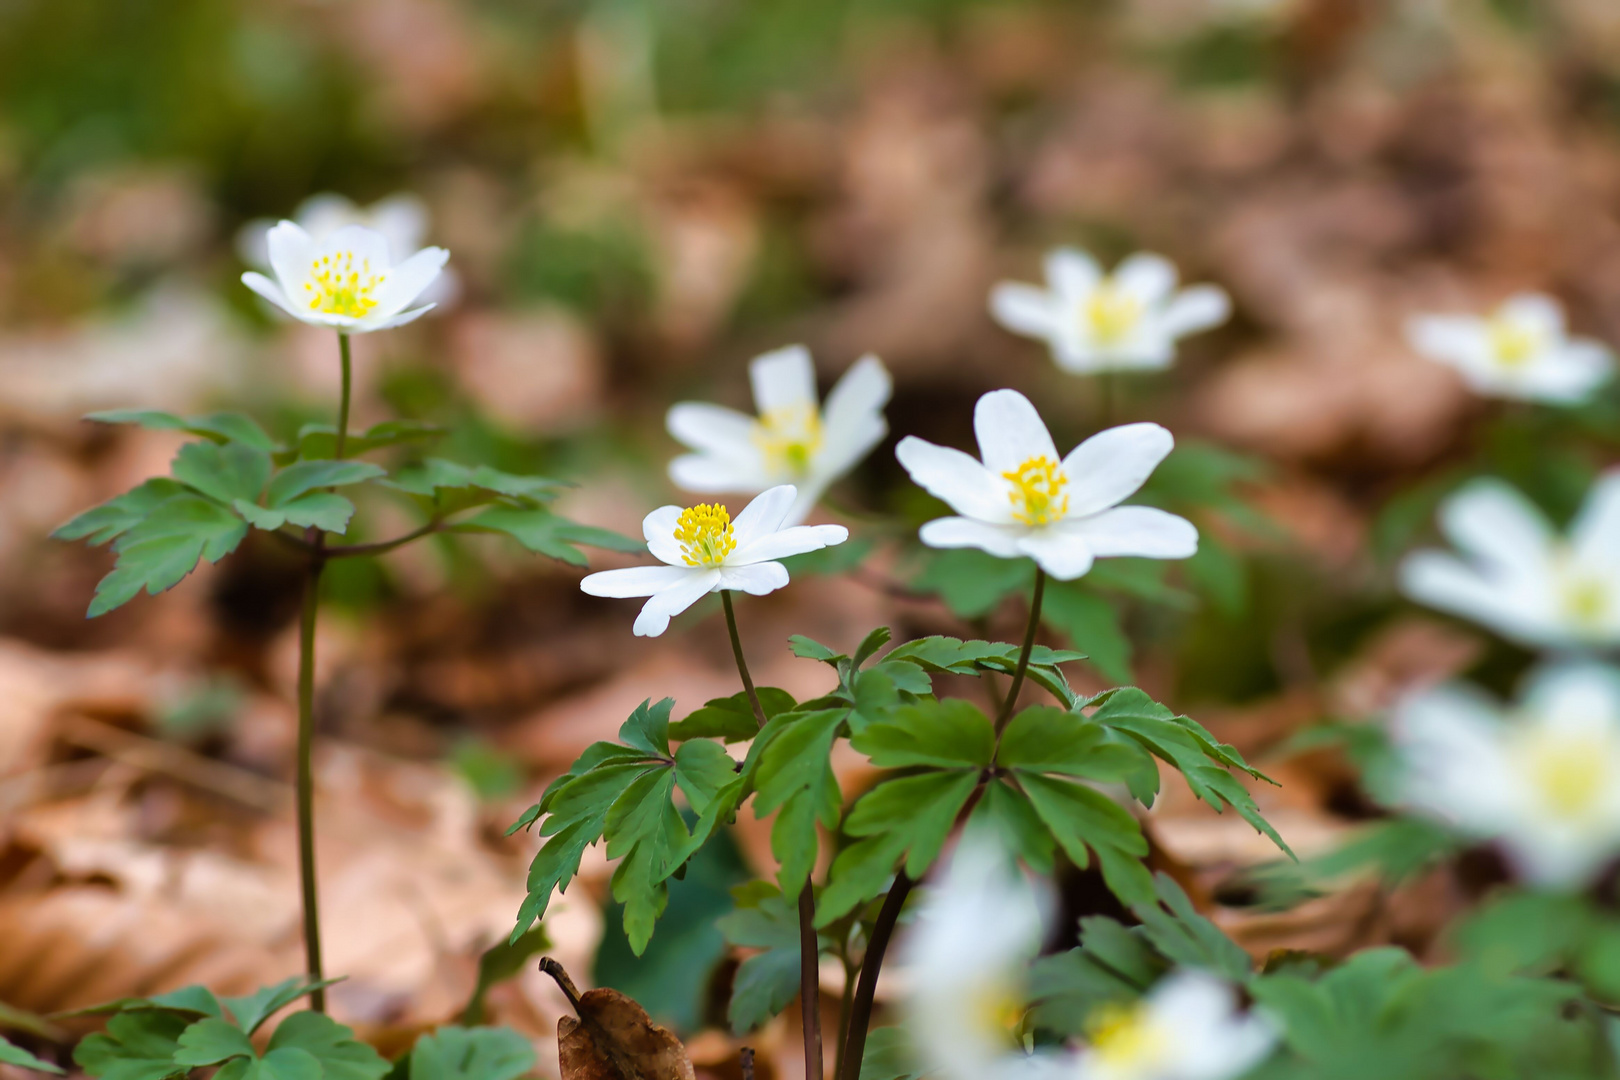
[1521,579]
[1542,779]
[794,440]
[1092,321]
[1189,1027]
[1022,500]
[966,961]
[1521,351]
[348,281]
[704,551]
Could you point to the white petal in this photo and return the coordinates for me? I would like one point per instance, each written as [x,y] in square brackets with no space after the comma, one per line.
[1111,465]
[811,488]
[1492,521]
[633,581]
[406,281]
[1447,583]
[1595,533]
[1538,313]
[1024,309]
[292,252]
[324,214]
[1570,372]
[1198,308]
[1148,277]
[1072,273]
[955,477]
[711,474]
[270,291]
[764,514]
[961,532]
[1136,530]
[403,222]
[715,428]
[357,240]
[370,323]
[852,418]
[1451,338]
[658,528]
[1451,744]
[756,579]
[793,541]
[785,378]
[841,453]
[1057,551]
[1010,431]
[656,613]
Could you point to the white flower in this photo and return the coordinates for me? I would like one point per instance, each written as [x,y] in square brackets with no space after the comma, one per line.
[705,551]
[1023,501]
[793,440]
[1543,780]
[1522,580]
[1521,351]
[1187,1028]
[1127,320]
[347,281]
[966,961]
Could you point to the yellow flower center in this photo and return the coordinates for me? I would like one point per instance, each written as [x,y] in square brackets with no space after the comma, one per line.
[1512,344]
[705,534]
[341,285]
[1037,492]
[1110,314]
[1125,1035]
[997,1009]
[1569,772]
[1586,600]
[789,437]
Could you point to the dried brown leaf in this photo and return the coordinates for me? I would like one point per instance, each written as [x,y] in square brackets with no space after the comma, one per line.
[613,1037]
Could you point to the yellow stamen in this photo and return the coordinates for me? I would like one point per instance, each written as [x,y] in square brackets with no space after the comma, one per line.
[1037,494]
[705,534]
[1569,772]
[1124,1035]
[1110,313]
[1512,343]
[789,437]
[342,285]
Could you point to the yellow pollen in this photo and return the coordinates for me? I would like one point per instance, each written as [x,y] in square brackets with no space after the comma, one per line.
[1037,492]
[705,534]
[1110,313]
[789,437]
[343,285]
[1124,1035]
[1512,344]
[1569,772]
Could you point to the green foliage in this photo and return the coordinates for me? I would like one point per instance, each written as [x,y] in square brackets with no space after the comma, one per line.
[767,981]
[888,1056]
[498,963]
[480,1053]
[12,1054]
[138,1045]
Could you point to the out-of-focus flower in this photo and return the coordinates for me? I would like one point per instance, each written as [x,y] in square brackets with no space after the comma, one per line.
[1188,1028]
[1542,780]
[1022,500]
[348,281]
[1522,350]
[794,440]
[1128,320]
[705,551]
[402,220]
[966,962]
[1522,579]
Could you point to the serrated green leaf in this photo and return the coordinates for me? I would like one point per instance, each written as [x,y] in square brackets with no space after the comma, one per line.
[323,510]
[484,1053]
[220,427]
[810,649]
[210,1041]
[224,472]
[118,515]
[889,1056]
[921,809]
[285,1063]
[1112,965]
[12,1054]
[319,441]
[1009,813]
[137,1045]
[251,1010]
[341,1055]
[732,718]
[303,476]
[796,759]
[859,873]
[947,734]
[764,985]
[647,728]
[871,644]
[1174,927]
[1078,818]
[702,768]
[546,533]
[1051,740]
[165,546]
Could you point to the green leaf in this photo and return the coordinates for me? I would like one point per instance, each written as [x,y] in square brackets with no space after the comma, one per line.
[253,1009]
[1079,818]
[12,1054]
[860,872]
[813,650]
[498,963]
[221,427]
[1174,927]
[285,1063]
[950,733]
[137,1045]
[1008,811]
[702,769]
[341,1056]
[647,728]
[764,985]
[972,582]
[1051,740]
[871,644]
[920,809]
[303,476]
[485,1053]
[118,515]
[1092,624]
[546,533]
[1112,965]
[316,441]
[732,718]
[210,1041]
[794,777]
[163,548]
[888,1056]
[225,472]
[449,487]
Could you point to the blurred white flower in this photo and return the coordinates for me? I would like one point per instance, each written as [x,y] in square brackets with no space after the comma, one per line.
[1543,780]
[1023,500]
[348,281]
[966,961]
[705,551]
[794,440]
[401,219]
[1188,1028]
[1128,320]
[1521,579]
[1522,350]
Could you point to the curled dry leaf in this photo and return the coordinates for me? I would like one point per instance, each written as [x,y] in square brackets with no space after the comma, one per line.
[613,1037]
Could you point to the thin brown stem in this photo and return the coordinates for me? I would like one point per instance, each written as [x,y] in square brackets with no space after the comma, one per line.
[860,1017]
[1010,703]
[306,777]
[844,1005]
[742,664]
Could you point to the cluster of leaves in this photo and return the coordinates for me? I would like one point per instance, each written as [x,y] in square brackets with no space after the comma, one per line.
[236,477]
[173,1034]
[1032,780]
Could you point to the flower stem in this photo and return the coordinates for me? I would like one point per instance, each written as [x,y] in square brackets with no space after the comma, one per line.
[809,947]
[1010,702]
[306,778]
[860,1017]
[1107,391]
[844,1006]
[343,405]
